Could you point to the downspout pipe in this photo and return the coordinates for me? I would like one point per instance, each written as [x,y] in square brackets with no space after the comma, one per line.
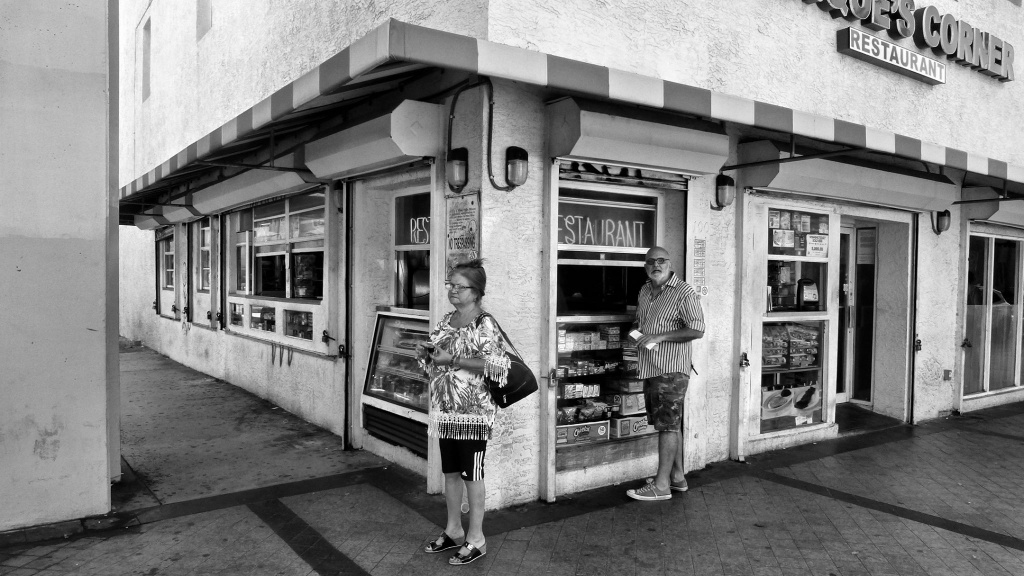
[915,228]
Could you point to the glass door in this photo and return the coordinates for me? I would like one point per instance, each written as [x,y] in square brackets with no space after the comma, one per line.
[992,342]
[863,316]
[845,339]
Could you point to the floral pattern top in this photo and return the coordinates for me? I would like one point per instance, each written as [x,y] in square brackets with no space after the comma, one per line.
[461,407]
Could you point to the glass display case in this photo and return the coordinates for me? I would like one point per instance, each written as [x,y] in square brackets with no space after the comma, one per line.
[791,374]
[393,374]
[598,396]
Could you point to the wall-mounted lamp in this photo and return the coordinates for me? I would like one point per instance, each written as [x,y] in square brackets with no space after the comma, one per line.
[517,167]
[725,191]
[940,221]
[456,169]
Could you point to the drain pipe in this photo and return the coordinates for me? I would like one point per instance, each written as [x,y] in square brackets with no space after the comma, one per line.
[349,376]
[915,227]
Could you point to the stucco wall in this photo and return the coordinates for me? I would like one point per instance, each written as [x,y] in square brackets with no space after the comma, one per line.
[783,52]
[252,49]
[55,321]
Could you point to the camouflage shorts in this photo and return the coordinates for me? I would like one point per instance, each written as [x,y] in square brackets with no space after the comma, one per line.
[664,396]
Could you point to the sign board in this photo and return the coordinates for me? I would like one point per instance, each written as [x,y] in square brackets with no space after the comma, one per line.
[463,242]
[889,55]
[590,224]
[944,35]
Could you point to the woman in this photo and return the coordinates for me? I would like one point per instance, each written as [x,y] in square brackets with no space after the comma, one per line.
[466,343]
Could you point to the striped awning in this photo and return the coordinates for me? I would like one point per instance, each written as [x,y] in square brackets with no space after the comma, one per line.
[398,42]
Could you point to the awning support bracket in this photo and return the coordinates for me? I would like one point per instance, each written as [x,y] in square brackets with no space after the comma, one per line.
[1004,198]
[792,159]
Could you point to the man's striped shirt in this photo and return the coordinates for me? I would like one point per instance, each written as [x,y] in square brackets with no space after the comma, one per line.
[675,308]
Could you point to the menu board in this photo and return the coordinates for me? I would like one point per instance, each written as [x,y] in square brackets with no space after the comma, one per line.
[795,233]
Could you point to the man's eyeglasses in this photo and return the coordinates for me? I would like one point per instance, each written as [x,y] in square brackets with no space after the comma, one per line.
[658,261]
[457,287]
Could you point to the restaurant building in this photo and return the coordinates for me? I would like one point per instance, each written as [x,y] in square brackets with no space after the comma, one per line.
[836,184]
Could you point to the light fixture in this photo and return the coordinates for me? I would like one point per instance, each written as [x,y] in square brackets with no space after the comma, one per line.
[725,191]
[456,169]
[517,167]
[940,221]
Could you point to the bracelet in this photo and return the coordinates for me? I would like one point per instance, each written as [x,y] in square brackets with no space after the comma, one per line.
[455,363]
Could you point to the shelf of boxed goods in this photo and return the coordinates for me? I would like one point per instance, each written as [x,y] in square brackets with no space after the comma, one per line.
[592,386]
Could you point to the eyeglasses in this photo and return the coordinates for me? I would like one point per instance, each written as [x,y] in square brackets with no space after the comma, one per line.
[658,261]
[457,287]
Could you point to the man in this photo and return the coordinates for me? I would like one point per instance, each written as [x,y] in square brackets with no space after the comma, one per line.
[669,317]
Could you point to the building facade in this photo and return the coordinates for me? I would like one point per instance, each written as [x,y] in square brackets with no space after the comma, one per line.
[832,177]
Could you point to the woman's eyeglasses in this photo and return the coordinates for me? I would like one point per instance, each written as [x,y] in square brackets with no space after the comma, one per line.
[658,261]
[457,287]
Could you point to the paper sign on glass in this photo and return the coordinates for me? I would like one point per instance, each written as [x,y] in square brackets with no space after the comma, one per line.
[817,245]
[782,238]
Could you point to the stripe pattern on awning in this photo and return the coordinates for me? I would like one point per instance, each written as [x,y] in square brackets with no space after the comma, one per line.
[395,41]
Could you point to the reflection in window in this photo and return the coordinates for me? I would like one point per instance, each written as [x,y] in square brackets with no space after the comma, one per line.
[299,324]
[1005,311]
[238,314]
[262,318]
[308,275]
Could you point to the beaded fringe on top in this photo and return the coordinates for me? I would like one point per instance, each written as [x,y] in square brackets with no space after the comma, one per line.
[459,427]
[496,368]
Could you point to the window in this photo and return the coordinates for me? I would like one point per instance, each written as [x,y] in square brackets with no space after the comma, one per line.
[146,57]
[274,256]
[287,238]
[166,251]
[993,319]
[204,17]
[412,251]
[205,237]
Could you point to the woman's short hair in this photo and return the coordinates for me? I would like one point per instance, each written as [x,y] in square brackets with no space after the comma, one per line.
[474,273]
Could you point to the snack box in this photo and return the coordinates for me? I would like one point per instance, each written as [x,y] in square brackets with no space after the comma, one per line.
[587,433]
[625,386]
[630,426]
[627,404]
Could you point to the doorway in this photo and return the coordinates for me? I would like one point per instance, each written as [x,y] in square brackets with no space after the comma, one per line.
[858,244]
[872,346]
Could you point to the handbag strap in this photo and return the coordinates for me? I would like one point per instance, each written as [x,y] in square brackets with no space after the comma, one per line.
[508,341]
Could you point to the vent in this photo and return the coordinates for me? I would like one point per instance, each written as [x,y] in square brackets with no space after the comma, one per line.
[396,430]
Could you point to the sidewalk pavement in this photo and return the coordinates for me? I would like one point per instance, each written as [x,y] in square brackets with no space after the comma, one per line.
[221,482]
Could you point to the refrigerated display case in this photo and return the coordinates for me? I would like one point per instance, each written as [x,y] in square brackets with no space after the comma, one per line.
[393,374]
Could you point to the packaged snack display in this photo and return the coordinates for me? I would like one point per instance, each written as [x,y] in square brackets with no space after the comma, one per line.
[789,345]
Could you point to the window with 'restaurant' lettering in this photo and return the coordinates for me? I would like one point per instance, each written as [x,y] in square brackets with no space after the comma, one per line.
[412,250]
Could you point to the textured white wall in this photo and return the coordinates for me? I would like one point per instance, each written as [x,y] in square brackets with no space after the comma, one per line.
[783,52]
[253,48]
[54,323]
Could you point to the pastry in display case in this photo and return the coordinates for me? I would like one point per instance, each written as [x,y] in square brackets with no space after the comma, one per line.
[394,374]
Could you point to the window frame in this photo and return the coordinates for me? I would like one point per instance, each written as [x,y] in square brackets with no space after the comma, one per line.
[990,237]
[165,250]
[242,245]
[396,248]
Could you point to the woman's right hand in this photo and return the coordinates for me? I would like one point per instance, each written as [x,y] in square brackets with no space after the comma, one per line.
[424,351]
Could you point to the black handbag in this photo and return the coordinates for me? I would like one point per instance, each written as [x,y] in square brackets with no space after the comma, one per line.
[519,382]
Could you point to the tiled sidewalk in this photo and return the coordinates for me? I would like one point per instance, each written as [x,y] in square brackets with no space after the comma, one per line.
[939,499]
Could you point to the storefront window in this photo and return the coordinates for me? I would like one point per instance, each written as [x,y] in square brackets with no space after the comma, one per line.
[993,317]
[167,262]
[412,251]
[792,334]
[791,375]
[205,238]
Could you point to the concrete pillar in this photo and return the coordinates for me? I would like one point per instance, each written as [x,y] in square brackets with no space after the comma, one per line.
[58,260]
